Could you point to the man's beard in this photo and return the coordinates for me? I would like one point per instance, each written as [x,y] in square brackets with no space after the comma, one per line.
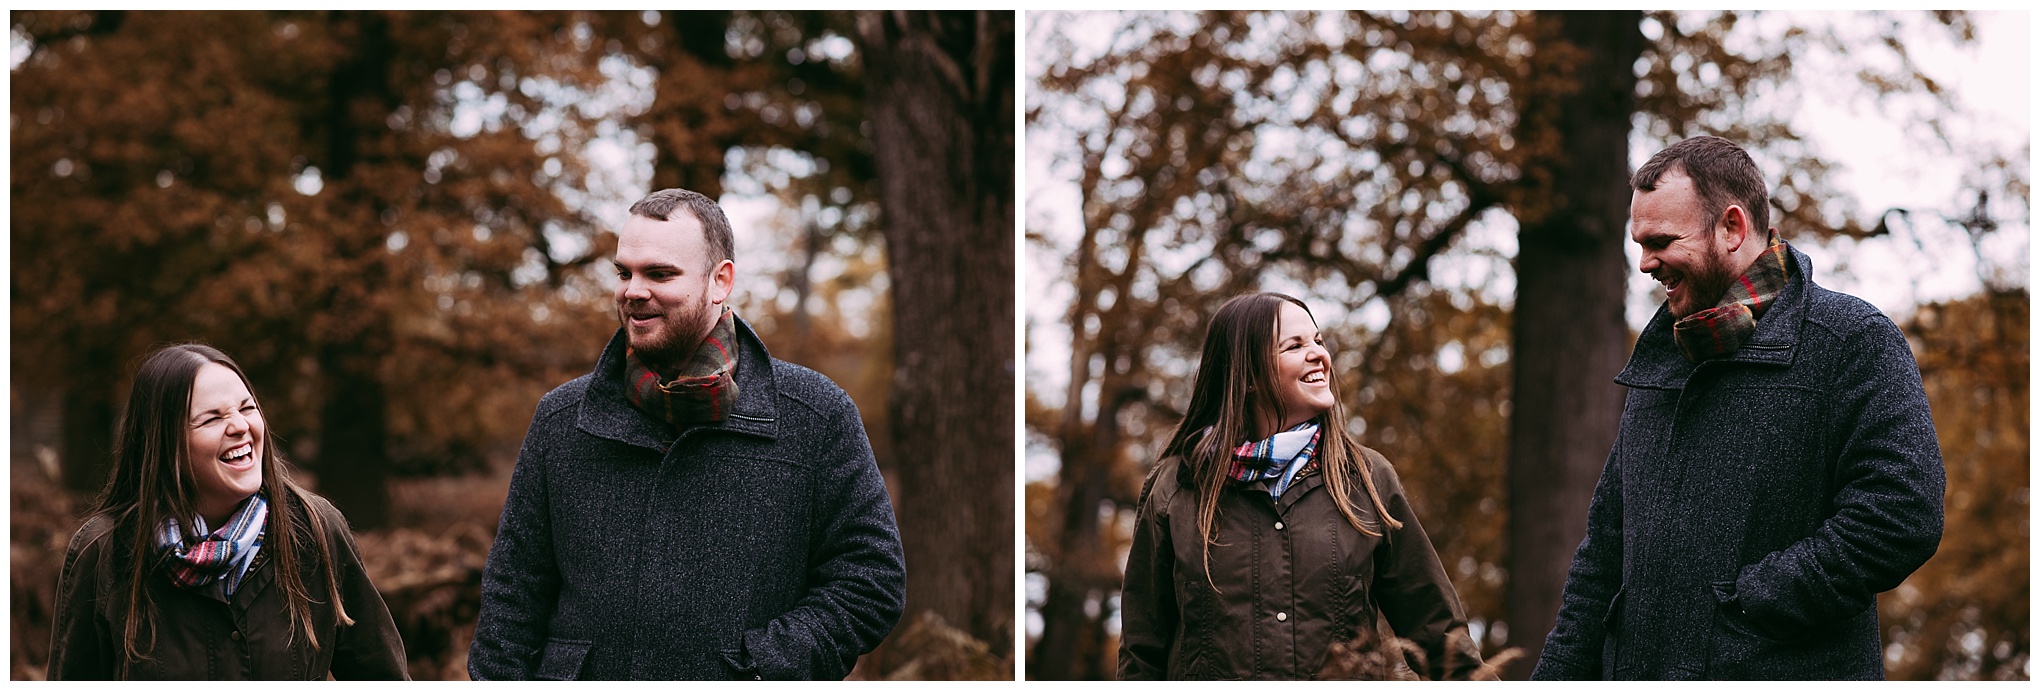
[1705,287]
[679,334]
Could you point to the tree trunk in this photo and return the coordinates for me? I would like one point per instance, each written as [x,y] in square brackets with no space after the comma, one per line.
[353,461]
[353,456]
[1570,337]
[688,152]
[1083,575]
[941,113]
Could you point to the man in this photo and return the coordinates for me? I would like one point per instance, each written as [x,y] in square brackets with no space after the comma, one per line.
[693,508]
[1776,466]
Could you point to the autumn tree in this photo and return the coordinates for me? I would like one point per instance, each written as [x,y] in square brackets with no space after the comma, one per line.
[356,205]
[1571,203]
[91,220]
[1962,615]
[941,101]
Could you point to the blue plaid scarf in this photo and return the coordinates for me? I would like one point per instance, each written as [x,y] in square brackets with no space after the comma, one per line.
[1276,458]
[215,561]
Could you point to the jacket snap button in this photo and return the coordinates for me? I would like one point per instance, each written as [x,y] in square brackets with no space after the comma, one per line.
[1281,616]
[235,635]
[1278,525]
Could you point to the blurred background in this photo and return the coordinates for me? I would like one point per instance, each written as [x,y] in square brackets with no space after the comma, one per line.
[400,222]
[1449,193]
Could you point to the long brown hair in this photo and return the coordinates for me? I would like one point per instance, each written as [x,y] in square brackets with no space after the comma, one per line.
[150,483]
[1235,384]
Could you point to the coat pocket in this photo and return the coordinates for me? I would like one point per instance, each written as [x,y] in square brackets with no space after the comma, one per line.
[562,660]
[735,666]
[1736,646]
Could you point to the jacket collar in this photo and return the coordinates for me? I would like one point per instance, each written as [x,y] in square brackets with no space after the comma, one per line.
[1657,363]
[606,413]
[262,573]
[1299,488]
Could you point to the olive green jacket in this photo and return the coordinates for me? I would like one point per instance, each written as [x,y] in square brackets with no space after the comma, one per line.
[1293,577]
[198,637]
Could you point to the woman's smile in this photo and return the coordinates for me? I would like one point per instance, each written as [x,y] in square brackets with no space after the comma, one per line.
[227,428]
[1302,361]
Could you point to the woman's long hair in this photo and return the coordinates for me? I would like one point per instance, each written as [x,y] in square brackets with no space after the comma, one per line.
[1235,383]
[151,482]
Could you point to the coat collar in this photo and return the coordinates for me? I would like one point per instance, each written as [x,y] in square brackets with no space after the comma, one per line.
[606,413]
[1657,363]
[1299,488]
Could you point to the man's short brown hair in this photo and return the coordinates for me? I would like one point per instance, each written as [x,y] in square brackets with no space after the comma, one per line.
[1722,174]
[715,227]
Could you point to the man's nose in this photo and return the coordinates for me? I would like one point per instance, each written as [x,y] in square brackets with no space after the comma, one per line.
[633,288]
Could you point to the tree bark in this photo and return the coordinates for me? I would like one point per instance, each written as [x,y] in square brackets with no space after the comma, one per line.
[1570,337]
[941,112]
[353,460]
[353,456]
[1073,643]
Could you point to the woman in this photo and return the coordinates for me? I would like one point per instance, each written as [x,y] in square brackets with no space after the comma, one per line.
[1267,538]
[203,560]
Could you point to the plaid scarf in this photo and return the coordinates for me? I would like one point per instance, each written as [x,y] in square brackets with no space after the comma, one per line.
[1720,331]
[704,388]
[214,562]
[1276,458]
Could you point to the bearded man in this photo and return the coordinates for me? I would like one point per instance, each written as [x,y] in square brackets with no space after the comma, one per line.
[1776,465]
[693,508]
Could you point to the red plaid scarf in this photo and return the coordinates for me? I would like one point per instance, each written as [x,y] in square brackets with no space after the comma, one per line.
[1722,330]
[214,561]
[704,388]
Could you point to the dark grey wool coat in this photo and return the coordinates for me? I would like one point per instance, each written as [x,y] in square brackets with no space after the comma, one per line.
[1754,505]
[763,547]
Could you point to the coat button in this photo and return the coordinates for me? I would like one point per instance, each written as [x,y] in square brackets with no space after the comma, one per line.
[1281,616]
[1278,525]
[235,635]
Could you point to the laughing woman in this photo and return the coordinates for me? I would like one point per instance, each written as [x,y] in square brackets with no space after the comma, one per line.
[203,560]
[1267,536]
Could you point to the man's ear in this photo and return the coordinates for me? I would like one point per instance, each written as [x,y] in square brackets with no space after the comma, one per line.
[722,281]
[1735,223]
